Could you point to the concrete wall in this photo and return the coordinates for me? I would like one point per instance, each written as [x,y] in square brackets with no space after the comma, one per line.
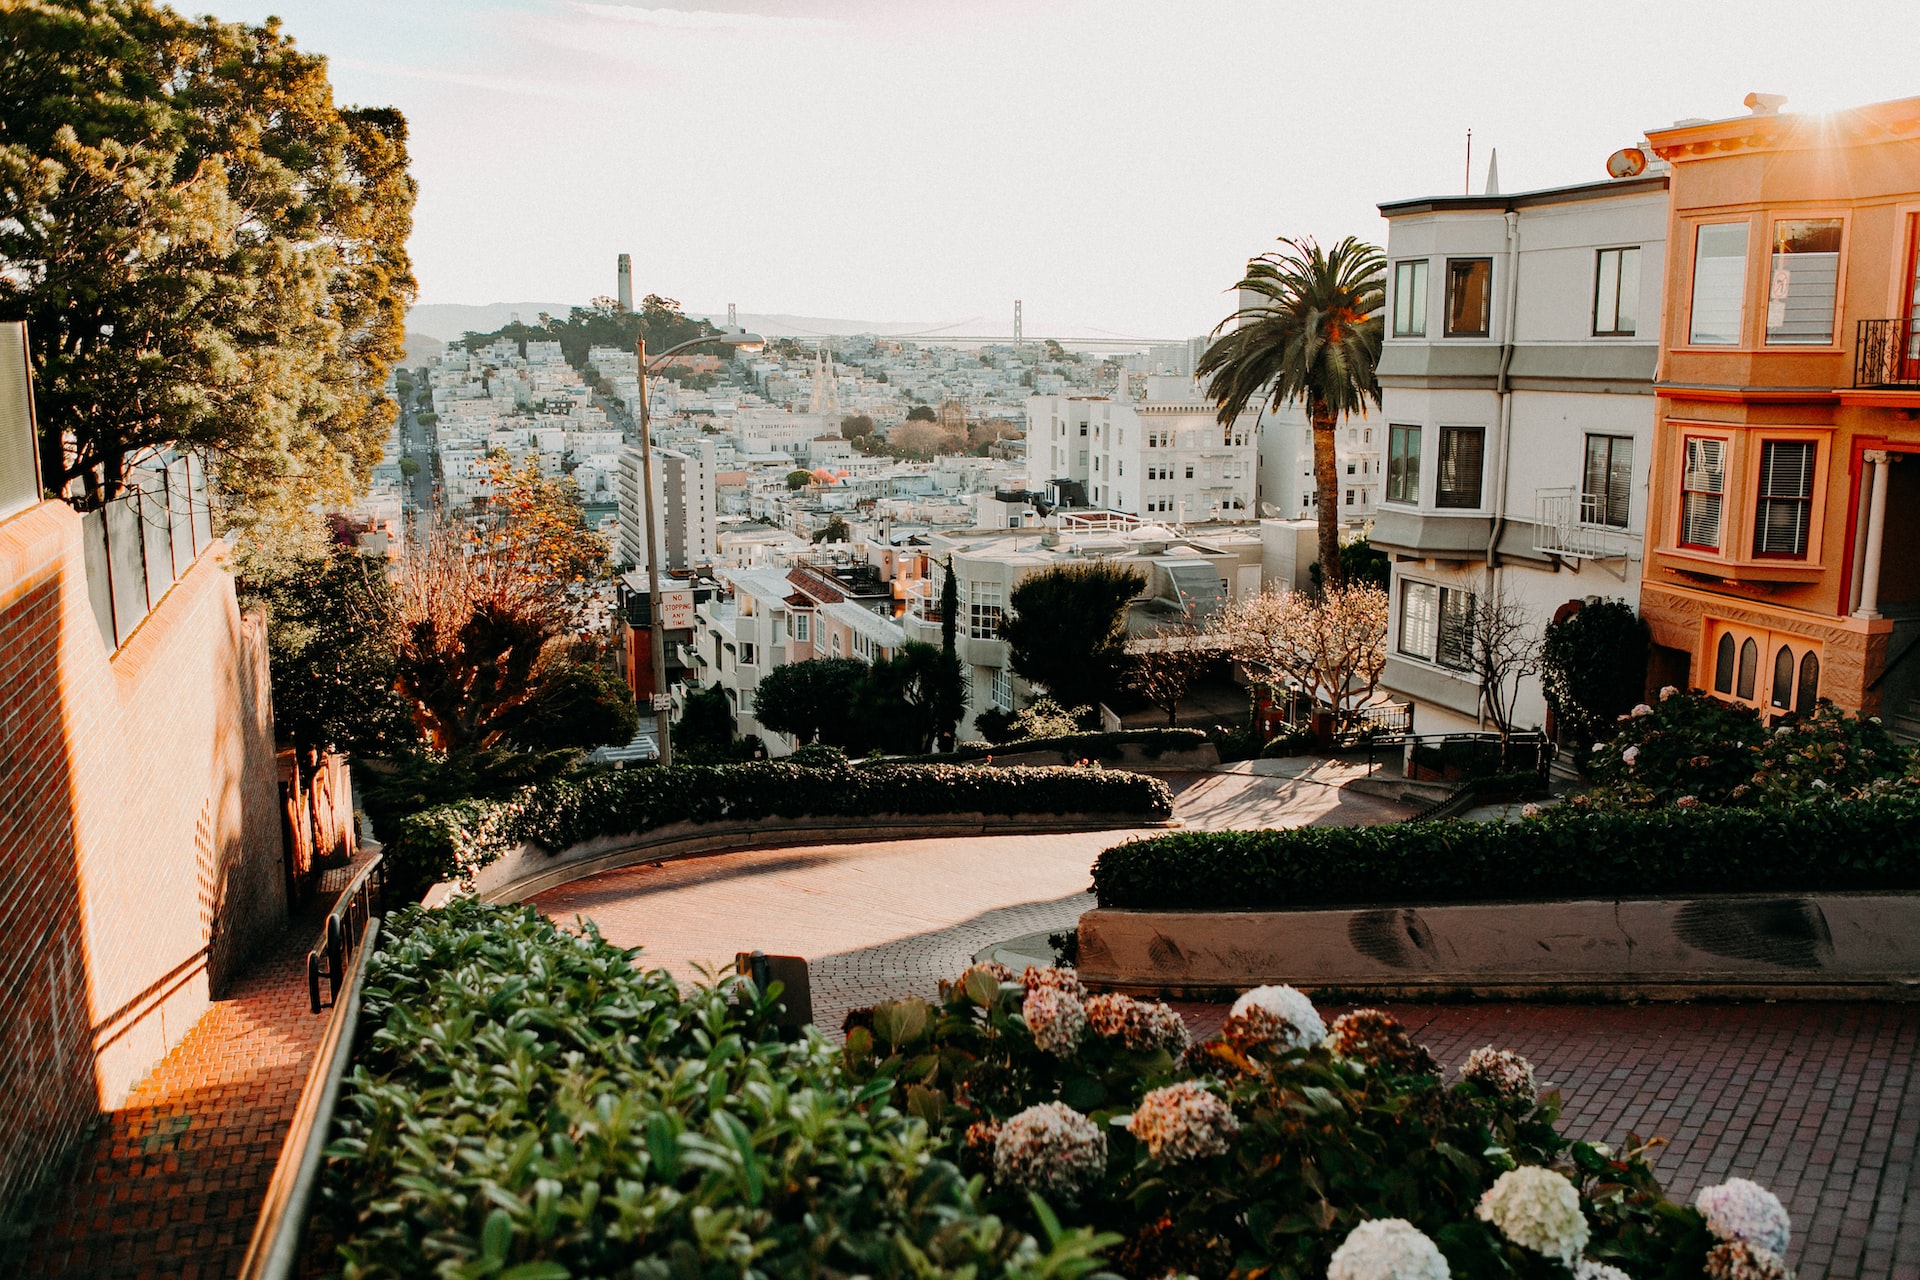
[1850,946]
[140,847]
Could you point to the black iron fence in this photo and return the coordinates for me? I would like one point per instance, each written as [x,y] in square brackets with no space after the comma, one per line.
[1886,353]
[346,924]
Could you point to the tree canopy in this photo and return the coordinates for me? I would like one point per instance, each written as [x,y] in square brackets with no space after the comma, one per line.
[1067,630]
[207,250]
[602,323]
[812,700]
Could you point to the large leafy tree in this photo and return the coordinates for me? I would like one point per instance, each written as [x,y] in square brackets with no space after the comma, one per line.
[909,700]
[812,700]
[206,248]
[1068,630]
[1309,329]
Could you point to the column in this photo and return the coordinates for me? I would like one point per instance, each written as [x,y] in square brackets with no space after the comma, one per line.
[1862,500]
[1876,536]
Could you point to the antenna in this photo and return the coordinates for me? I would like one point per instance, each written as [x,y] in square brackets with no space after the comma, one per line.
[1016,322]
[1466,184]
[733,316]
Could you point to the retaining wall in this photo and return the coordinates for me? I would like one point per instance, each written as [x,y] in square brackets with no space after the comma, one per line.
[1839,946]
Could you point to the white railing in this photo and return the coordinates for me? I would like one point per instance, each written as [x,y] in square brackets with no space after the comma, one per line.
[1569,524]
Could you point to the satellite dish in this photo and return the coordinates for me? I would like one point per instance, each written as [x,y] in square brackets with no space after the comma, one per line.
[1628,162]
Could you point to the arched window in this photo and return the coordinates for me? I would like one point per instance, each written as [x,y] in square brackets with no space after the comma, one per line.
[1749,669]
[1723,664]
[1783,679]
[1809,684]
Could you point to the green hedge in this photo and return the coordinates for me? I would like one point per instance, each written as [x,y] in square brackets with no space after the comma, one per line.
[529,1104]
[1865,844]
[458,839]
[1153,744]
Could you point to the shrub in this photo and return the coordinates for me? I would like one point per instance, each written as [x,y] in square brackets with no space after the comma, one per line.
[1593,666]
[459,839]
[1153,744]
[1692,745]
[1865,844]
[1292,742]
[996,725]
[527,1102]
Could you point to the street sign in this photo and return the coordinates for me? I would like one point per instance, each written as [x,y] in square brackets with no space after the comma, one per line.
[663,702]
[676,610]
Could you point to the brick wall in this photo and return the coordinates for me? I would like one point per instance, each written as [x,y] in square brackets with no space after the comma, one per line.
[140,846]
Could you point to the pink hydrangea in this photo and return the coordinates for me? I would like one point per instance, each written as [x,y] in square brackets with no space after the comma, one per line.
[1739,1210]
[1506,1074]
[1183,1121]
[1052,1149]
[1056,1018]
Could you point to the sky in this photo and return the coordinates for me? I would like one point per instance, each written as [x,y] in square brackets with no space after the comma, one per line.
[1111,163]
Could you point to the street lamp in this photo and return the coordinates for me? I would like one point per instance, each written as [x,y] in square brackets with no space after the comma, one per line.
[657,632]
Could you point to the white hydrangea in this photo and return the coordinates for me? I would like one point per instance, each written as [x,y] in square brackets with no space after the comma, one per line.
[1668,691]
[1642,710]
[1387,1249]
[1537,1209]
[1738,1260]
[1588,1269]
[1304,1028]
[1629,756]
[1746,1211]
[1056,1018]
[1504,1072]
[1052,1149]
[1183,1121]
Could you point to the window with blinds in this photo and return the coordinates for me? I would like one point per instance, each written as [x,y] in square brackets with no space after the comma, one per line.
[1461,452]
[1436,624]
[1803,282]
[1606,489]
[1719,284]
[1703,487]
[1786,498]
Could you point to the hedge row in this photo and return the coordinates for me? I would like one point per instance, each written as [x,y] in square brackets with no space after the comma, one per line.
[1153,743]
[456,840]
[1866,844]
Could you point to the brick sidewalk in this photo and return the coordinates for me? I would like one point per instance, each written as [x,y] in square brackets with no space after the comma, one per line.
[171,1182]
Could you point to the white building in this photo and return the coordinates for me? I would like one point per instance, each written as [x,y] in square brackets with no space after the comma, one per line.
[685,509]
[1517,380]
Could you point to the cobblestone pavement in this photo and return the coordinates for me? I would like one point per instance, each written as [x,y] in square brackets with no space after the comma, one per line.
[171,1182]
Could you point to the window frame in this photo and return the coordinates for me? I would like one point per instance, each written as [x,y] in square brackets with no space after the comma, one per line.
[1805,502]
[1718,547]
[1835,322]
[983,614]
[1606,504]
[1456,602]
[1619,289]
[1486,299]
[1409,478]
[1452,500]
[1415,323]
[1693,286]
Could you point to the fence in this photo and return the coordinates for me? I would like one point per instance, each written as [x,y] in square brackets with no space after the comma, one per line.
[138,544]
[19,454]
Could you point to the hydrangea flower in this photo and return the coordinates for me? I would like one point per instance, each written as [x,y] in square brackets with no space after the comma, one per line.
[1688,802]
[1537,1209]
[1052,1149]
[1137,1024]
[1668,691]
[1290,1018]
[1588,1269]
[1743,1211]
[1369,1035]
[1738,1260]
[1529,810]
[1387,1249]
[1183,1121]
[1507,1074]
[1628,756]
[1056,1018]
[1061,978]
[1642,710]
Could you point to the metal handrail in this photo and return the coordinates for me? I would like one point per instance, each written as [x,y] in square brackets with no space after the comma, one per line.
[274,1251]
[356,905]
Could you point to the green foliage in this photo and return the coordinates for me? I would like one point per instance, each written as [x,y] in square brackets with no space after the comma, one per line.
[907,699]
[207,250]
[812,699]
[1067,629]
[529,1103]
[798,478]
[834,530]
[706,723]
[1360,562]
[1046,718]
[1298,740]
[1866,844]
[855,426]
[394,790]
[996,726]
[818,755]
[409,467]
[1153,743]
[922,413]
[573,704]
[1692,748]
[458,839]
[1593,668]
[602,323]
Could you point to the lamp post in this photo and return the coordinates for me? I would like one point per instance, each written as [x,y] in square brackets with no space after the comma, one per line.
[656,630]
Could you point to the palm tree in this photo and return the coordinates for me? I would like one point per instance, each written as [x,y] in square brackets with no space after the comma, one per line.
[1311,332]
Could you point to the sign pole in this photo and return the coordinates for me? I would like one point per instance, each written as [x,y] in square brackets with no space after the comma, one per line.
[656,611]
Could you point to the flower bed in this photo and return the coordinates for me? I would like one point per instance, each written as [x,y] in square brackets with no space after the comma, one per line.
[1815,846]
[528,1103]
[456,840]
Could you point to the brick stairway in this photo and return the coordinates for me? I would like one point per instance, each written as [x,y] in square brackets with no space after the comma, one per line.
[171,1182]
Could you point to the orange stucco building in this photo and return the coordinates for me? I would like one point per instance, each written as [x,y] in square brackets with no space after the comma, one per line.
[1783,558]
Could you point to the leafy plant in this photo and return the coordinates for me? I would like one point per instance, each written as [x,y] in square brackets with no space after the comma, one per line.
[1593,668]
[1067,629]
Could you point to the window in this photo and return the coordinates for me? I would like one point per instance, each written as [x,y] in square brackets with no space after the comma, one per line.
[983,610]
[1616,293]
[1607,483]
[1783,679]
[1703,484]
[1469,296]
[746,653]
[1349,497]
[1461,450]
[799,626]
[1436,623]
[1749,669]
[1719,284]
[1350,468]
[1723,664]
[1189,471]
[1083,429]
[1403,464]
[1003,688]
[1410,300]
[1802,284]
[1786,498]
[1809,693]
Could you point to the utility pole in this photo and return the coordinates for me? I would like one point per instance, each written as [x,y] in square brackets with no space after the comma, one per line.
[656,629]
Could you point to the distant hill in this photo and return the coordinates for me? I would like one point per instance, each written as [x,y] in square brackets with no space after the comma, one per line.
[448,320]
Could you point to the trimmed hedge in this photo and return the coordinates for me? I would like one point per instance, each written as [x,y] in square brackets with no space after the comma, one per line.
[1153,743]
[1866,844]
[456,840]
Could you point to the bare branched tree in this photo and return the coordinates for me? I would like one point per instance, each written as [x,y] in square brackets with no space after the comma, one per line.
[1502,649]
[1332,646]
[1167,664]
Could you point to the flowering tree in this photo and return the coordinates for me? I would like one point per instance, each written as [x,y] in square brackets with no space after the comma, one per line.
[1167,664]
[1331,646]
[1503,648]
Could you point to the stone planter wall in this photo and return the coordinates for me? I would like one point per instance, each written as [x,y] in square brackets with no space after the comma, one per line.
[1818,946]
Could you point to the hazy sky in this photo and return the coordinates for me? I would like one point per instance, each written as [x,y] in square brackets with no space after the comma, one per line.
[1113,163]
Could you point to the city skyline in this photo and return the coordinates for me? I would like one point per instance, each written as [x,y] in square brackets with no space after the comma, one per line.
[1111,165]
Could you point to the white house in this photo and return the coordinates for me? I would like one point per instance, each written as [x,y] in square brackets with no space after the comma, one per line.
[1165,457]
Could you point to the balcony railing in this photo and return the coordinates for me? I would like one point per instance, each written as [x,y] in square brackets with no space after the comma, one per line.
[1887,353]
[1570,524]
